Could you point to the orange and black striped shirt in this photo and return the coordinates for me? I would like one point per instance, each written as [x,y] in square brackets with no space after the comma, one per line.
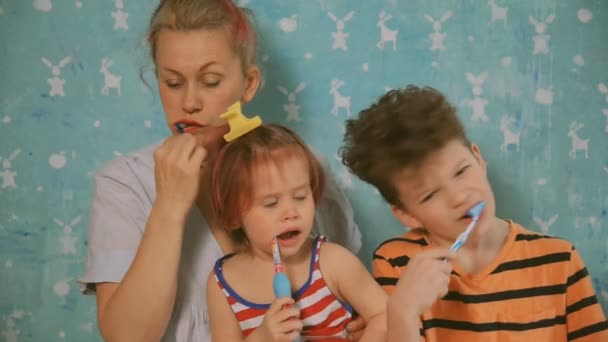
[537,289]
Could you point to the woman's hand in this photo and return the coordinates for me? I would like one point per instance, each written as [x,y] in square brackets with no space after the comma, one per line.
[178,162]
[280,324]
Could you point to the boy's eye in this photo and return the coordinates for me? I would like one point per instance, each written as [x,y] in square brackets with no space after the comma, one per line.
[462,170]
[427,197]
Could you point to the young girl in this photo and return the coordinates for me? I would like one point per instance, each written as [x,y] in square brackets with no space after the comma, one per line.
[266,184]
[151,244]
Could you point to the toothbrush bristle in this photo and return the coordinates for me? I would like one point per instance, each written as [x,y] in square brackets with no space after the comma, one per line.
[475,212]
[276,254]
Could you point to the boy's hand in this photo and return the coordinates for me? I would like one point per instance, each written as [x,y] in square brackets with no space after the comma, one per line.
[280,324]
[425,280]
[355,328]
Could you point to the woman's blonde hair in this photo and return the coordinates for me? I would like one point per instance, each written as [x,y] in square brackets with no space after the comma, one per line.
[187,15]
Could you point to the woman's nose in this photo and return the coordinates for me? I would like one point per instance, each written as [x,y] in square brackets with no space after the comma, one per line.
[192,103]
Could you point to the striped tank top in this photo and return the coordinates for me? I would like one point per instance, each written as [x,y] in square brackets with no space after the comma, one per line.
[321,312]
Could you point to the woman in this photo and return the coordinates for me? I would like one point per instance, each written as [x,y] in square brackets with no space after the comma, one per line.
[151,241]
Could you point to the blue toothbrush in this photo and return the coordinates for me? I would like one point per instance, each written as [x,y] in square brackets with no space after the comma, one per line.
[473,213]
[280,281]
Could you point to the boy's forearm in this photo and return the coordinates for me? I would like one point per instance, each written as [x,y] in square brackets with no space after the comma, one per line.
[402,326]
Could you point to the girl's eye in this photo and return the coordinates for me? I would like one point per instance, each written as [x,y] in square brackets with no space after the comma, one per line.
[270,203]
[300,197]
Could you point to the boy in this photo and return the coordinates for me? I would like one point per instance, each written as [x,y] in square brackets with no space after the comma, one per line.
[506,283]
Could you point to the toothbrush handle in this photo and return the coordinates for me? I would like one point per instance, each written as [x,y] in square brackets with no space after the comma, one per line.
[282,288]
[281,285]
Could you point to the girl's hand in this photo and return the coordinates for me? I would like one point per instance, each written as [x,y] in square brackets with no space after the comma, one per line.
[425,280]
[355,328]
[280,324]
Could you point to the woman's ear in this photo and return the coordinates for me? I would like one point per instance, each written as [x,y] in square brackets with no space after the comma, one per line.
[254,78]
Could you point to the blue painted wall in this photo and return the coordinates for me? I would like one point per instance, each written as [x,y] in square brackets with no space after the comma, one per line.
[530,79]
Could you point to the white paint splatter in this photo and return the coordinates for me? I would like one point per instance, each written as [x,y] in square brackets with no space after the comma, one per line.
[584,15]
[578,60]
[97,124]
[40,188]
[1,11]
[78,4]
[544,96]
[117,153]
[57,160]
[542,181]
[365,67]
[265,58]
[575,201]
[61,334]
[88,327]
[147,123]
[43,5]
[8,264]
[288,24]
[308,55]
[243,2]
[6,119]
[471,39]
[434,64]
[61,288]
[506,61]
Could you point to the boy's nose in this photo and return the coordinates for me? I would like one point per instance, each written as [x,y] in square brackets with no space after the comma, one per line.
[458,197]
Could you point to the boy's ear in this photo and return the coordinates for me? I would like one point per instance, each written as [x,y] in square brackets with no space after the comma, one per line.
[405,218]
[477,153]
[254,78]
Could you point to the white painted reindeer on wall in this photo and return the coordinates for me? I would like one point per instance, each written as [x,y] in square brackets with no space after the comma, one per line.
[498,13]
[111,81]
[386,34]
[578,144]
[340,101]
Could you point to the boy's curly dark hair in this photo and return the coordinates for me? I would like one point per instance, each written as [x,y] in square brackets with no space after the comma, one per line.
[399,132]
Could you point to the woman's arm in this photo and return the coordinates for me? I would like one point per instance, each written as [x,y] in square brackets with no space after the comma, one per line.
[140,306]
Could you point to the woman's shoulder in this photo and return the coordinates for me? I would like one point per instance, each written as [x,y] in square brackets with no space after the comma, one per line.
[134,162]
